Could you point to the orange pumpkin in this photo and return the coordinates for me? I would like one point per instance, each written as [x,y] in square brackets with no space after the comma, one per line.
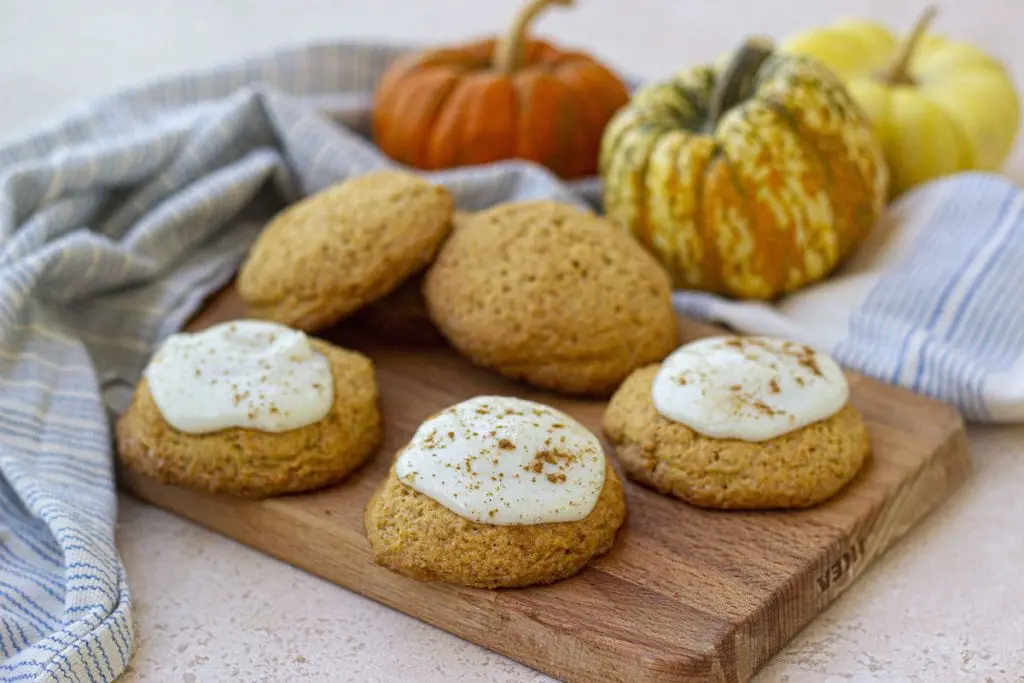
[513,98]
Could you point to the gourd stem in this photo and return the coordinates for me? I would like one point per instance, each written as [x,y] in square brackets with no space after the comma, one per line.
[508,54]
[898,72]
[736,77]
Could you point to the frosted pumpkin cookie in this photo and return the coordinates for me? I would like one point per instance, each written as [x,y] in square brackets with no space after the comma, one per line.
[732,422]
[496,492]
[552,295]
[330,254]
[250,408]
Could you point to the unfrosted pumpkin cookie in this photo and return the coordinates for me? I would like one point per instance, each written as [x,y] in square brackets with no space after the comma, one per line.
[251,408]
[496,492]
[732,422]
[328,255]
[552,295]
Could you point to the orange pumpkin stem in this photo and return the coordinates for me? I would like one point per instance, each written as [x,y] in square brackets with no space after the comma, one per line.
[899,71]
[508,54]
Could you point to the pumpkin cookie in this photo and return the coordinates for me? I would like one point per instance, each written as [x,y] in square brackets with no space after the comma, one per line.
[333,252]
[253,409]
[730,422]
[496,492]
[553,295]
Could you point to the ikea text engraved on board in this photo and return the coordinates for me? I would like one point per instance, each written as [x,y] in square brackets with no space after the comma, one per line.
[840,569]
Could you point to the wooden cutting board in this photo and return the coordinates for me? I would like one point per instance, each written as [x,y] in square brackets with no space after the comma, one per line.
[685,594]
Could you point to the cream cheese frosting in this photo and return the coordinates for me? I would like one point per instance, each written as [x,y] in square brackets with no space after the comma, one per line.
[247,373]
[505,461]
[748,388]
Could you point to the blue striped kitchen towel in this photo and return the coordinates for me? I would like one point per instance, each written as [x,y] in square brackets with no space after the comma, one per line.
[117,220]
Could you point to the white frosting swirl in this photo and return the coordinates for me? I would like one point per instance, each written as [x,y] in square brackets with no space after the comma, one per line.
[248,373]
[748,388]
[505,461]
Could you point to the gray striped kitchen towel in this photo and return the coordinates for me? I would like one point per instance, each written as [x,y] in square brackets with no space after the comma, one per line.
[117,220]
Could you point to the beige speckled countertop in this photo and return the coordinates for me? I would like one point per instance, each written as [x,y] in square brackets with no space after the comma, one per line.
[947,604]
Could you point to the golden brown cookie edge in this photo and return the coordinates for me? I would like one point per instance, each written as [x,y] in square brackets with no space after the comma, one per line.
[599,528]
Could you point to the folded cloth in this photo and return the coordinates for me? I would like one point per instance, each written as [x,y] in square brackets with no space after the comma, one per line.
[117,221]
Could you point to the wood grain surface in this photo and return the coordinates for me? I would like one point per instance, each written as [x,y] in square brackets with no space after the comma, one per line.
[685,594]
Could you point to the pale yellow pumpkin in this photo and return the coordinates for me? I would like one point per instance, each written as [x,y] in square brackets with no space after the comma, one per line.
[939,106]
[749,181]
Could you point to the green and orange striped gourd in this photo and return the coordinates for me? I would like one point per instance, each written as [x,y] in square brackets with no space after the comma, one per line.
[750,181]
